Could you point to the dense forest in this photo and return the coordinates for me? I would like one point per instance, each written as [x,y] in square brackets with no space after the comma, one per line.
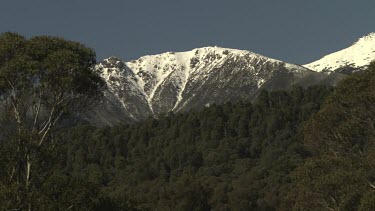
[225,157]
[234,156]
[303,148]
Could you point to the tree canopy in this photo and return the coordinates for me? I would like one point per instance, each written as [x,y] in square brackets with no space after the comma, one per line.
[236,156]
[42,80]
[340,175]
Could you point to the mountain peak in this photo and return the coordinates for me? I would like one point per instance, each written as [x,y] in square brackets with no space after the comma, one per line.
[179,81]
[370,36]
[222,50]
[357,56]
[218,48]
[367,39]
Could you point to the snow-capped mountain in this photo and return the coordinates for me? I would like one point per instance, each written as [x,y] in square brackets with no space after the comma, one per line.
[179,81]
[171,80]
[355,57]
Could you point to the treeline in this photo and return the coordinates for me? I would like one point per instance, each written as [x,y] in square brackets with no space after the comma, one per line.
[228,157]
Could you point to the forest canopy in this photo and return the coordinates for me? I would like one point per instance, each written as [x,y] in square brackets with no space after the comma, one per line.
[232,156]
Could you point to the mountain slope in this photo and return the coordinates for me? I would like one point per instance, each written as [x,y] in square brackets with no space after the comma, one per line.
[169,80]
[152,85]
[355,57]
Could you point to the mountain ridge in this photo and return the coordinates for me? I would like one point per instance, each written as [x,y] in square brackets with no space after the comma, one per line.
[351,59]
[179,81]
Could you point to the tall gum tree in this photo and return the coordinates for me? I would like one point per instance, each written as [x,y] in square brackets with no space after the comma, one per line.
[42,80]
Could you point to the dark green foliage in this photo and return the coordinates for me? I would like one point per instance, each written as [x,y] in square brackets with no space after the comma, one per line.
[42,81]
[340,175]
[235,156]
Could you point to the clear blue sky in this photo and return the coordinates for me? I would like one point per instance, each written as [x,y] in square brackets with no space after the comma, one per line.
[297,31]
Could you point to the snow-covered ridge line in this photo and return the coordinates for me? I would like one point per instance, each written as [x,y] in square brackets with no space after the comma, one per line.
[209,49]
[160,65]
[180,81]
[171,81]
[358,55]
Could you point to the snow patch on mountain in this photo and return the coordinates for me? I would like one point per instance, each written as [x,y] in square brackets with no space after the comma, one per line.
[122,82]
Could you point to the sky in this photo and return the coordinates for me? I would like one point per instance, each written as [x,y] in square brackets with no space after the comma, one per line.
[295,31]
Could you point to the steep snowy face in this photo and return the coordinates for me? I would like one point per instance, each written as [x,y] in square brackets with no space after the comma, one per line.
[172,80]
[123,94]
[355,57]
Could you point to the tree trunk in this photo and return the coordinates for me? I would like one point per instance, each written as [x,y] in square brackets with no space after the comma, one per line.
[28,173]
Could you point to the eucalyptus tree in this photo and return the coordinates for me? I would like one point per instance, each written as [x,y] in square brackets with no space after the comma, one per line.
[43,80]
